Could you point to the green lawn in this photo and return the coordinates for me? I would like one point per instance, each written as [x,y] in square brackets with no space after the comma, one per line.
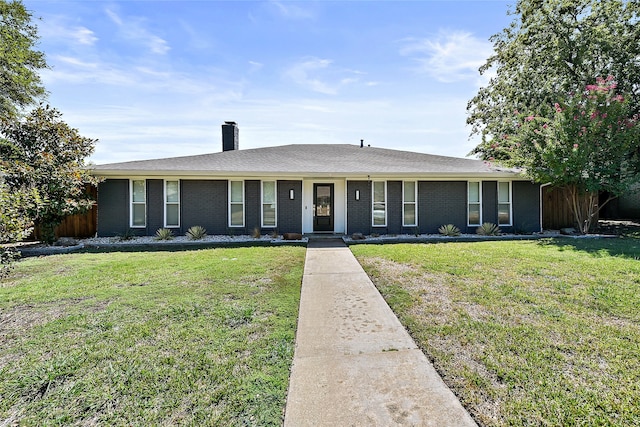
[157,338]
[525,333]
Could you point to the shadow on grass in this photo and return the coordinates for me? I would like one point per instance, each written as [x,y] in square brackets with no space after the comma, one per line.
[620,246]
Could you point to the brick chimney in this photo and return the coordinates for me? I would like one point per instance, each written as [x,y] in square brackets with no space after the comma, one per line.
[230,136]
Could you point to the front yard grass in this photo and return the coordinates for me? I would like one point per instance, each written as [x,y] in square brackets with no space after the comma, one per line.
[157,338]
[525,333]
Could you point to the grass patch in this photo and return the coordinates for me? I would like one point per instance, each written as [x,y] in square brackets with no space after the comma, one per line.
[156,338]
[526,332]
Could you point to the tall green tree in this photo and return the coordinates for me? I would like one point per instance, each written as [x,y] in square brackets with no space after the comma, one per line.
[552,49]
[590,144]
[42,152]
[550,53]
[20,61]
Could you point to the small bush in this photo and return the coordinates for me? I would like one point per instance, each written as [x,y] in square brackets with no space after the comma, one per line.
[7,257]
[449,230]
[196,232]
[274,234]
[256,233]
[488,229]
[164,234]
[127,235]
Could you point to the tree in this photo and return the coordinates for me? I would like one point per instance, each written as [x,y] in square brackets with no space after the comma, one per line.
[551,49]
[549,53]
[15,224]
[589,144]
[42,152]
[20,62]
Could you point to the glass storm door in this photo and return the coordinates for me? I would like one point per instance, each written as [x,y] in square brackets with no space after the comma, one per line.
[322,207]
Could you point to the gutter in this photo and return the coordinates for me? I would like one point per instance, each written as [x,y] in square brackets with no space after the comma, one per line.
[308,175]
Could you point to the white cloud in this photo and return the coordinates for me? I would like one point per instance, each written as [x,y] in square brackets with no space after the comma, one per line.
[146,128]
[320,75]
[255,66]
[303,73]
[449,57]
[84,36]
[197,40]
[133,30]
[69,60]
[291,10]
[114,17]
[57,28]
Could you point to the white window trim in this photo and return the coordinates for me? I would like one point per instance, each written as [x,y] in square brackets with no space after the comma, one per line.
[415,204]
[510,224]
[230,203]
[131,203]
[373,204]
[479,203]
[164,196]
[262,204]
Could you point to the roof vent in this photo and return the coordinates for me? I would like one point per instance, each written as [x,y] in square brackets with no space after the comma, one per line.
[230,136]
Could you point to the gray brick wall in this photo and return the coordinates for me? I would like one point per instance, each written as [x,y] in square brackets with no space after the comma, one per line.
[359,211]
[252,206]
[490,201]
[155,206]
[442,202]
[394,207]
[289,211]
[113,207]
[526,207]
[204,203]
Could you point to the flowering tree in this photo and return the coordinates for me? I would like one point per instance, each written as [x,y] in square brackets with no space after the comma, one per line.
[554,47]
[589,144]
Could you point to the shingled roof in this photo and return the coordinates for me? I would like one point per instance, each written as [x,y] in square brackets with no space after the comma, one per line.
[317,160]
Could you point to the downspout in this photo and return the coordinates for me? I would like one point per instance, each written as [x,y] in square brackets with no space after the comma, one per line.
[541,207]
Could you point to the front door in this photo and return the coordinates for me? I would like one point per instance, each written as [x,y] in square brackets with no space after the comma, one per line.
[322,207]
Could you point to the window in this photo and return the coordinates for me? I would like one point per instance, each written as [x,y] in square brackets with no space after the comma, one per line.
[474,203]
[379,203]
[269,203]
[172,203]
[236,203]
[504,203]
[138,203]
[409,198]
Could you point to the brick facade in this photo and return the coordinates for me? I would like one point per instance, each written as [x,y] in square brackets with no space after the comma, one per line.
[442,202]
[113,207]
[205,203]
[359,211]
[289,211]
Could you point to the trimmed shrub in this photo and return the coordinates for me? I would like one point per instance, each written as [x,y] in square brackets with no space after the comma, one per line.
[164,234]
[488,229]
[196,232]
[449,230]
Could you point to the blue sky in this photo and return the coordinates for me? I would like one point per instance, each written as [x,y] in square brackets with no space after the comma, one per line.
[153,79]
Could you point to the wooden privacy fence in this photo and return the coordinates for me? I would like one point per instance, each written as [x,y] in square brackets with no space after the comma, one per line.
[556,213]
[80,225]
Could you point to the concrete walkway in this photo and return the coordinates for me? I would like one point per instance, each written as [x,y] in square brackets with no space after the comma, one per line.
[354,363]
